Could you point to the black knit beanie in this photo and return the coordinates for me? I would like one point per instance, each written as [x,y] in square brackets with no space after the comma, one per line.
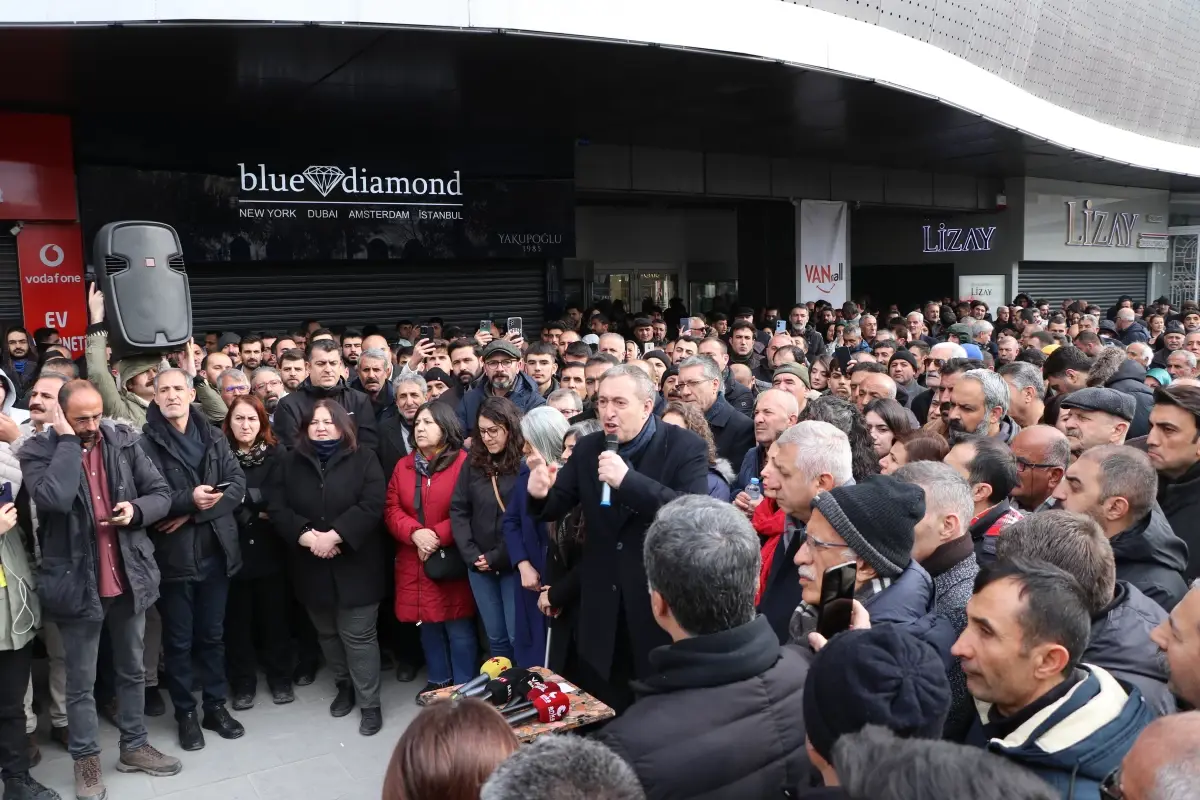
[876,518]
[879,676]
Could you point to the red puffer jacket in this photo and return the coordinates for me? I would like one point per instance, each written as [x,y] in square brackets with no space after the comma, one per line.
[419,599]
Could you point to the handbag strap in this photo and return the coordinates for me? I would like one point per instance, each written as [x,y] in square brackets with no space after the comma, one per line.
[418,505]
[496,491]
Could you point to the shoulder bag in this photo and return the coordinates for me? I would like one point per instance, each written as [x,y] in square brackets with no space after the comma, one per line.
[446,564]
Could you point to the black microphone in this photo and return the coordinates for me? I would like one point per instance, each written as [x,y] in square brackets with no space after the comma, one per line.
[610,445]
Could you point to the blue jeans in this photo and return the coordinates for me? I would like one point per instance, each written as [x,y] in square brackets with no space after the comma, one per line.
[450,650]
[495,597]
[193,616]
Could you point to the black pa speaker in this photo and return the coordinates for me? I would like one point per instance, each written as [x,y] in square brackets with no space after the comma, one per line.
[147,299]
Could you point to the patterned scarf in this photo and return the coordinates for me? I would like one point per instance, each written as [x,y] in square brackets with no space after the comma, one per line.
[253,457]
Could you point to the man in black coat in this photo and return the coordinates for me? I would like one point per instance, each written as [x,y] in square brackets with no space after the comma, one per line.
[1174,449]
[324,380]
[653,464]
[197,550]
[725,685]
[700,384]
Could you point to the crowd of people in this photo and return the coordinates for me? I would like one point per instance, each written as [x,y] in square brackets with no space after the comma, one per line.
[654,506]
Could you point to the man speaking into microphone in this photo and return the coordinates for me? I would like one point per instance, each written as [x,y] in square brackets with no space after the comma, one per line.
[651,465]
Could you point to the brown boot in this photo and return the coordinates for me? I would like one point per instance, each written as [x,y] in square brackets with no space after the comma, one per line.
[148,760]
[89,783]
[35,752]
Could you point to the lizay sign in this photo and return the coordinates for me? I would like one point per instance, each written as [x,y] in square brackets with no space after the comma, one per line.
[957,240]
[1092,227]
[323,192]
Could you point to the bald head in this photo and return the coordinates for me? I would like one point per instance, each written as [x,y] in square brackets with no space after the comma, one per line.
[1165,759]
[742,374]
[875,386]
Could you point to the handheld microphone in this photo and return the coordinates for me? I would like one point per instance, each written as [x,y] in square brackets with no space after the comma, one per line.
[478,685]
[503,688]
[610,445]
[547,707]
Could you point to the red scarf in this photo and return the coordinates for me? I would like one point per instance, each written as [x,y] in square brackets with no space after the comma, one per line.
[770,522]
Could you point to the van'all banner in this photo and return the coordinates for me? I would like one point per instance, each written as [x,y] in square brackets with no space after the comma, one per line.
[268,212]
[821,251]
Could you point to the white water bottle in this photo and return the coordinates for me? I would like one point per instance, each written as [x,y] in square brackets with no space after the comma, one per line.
[754,490]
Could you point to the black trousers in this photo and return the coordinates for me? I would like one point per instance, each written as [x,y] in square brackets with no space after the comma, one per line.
[14,677]
[257,631]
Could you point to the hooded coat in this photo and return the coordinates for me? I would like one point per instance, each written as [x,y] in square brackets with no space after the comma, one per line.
[1151,557]
[1120,643]
[1129,379]
[1074,743]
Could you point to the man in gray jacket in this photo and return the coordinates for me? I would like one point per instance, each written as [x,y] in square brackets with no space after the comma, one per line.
[96,491]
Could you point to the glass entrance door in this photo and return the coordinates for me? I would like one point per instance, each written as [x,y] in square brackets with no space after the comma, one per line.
[658,286]
[612,285]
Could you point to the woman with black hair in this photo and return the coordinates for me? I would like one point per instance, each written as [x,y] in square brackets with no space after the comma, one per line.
[476,518]
[886,421]
[326,502]
[431,577]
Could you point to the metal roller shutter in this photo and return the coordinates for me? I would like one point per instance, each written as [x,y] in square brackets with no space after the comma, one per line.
[277,297]
[10,278]
[1100,284]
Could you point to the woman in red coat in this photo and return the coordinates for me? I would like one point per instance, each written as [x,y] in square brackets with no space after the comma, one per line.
[418,515]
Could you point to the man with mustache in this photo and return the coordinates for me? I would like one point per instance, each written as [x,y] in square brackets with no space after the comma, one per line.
[292,368]
[267,385]
[503,376]
[808,458]
[82,458]
[465,366]
[979,406]
[374,370]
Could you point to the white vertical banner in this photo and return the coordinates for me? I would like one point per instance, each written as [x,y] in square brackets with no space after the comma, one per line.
[821,251]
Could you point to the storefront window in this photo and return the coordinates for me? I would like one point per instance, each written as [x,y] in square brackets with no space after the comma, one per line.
[658,286]
[612,286]
[702,295]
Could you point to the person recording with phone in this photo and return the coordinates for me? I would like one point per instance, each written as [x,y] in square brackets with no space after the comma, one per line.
[621,479]
[198,551]
[96,491]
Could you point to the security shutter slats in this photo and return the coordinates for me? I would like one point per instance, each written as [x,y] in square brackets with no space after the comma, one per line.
[276,297]
[1100,284]
[10,279]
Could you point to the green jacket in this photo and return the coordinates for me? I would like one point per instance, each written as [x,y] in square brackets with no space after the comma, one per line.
[120,403]
[20,610]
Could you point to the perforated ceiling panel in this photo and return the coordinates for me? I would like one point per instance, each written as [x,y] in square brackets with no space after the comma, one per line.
[1129,63]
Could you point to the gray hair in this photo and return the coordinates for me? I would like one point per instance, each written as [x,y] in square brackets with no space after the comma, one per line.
[876,763]
[852,330]
[1024,375]
[187,377]
[1177,779]
[643,387]
[703,557]
[979,326]
[585,427]
[708,367]
[955,350]
[264,370]
[616,336]
[232,372]
[916,314]
[544,428]
[1125,472]
[821,449]
[946,492]
[377,354]
[563,767]
[995,390]
[1126,314]
[1092,318]
[1141,351]
[411,377]
[1188,356]
[790,405]
[566,394]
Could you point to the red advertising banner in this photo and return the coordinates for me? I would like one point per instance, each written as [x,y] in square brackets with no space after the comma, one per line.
[52,290]
[37,170]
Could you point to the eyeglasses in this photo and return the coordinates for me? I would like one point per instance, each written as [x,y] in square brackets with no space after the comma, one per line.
[1110,787]
[693,384]
[236,389]
[1024,465]
[815,542]
[507,363]
[489,433]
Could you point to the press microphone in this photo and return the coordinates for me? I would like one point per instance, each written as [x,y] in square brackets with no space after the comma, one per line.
[527,702]
[505,687]
[610,445]
[478,685]
[547,707]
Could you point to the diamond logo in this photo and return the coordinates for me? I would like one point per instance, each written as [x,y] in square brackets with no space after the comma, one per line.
[324,179]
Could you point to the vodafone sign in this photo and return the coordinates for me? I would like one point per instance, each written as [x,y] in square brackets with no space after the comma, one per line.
[50,257]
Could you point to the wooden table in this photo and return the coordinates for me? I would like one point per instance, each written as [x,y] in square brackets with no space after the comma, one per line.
[585,709]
